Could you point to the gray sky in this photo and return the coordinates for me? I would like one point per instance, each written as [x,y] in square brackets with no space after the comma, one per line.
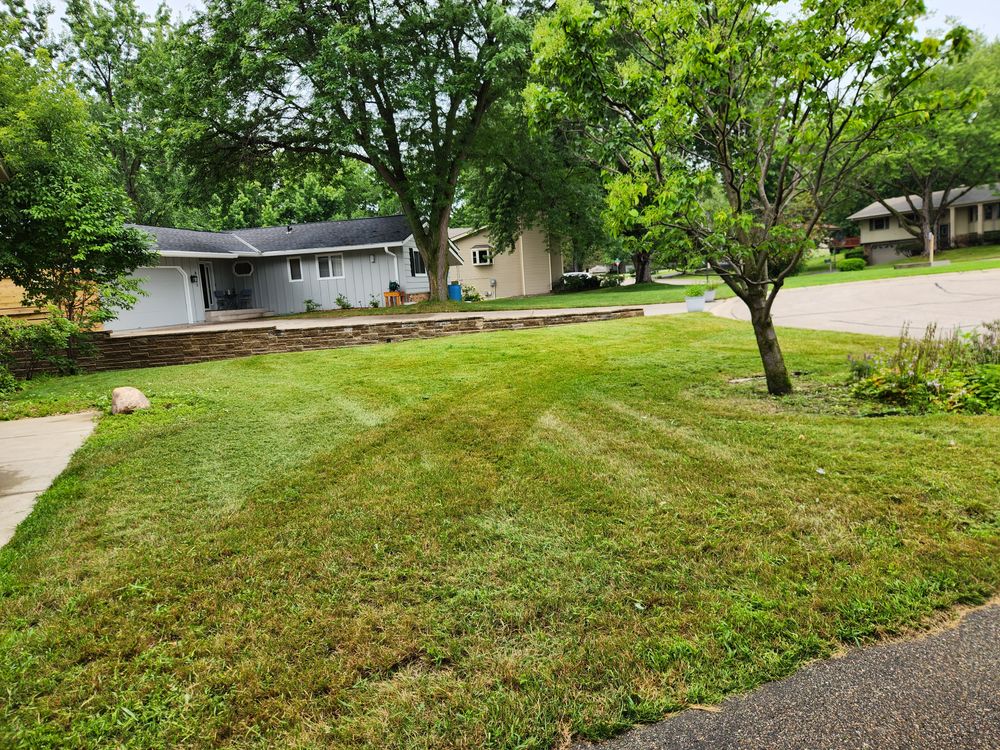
[976,14]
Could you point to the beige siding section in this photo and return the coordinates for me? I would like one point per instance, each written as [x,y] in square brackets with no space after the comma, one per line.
[10,302]
[505,268]
[537,265]
[528,269]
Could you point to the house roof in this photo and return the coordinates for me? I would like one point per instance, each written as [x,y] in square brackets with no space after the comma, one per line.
[379,230]
[371,232]
[980,194]
[190,241]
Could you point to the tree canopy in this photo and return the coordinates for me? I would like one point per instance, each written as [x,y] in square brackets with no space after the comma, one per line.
[62,233]
[401,87]
[949,149]
[732,127]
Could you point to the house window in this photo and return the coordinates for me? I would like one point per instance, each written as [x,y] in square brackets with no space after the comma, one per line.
[331,266]
[295,269]
[876,224]
[481,256]
[973,213]
[988,211]
[242,268]
[417,267]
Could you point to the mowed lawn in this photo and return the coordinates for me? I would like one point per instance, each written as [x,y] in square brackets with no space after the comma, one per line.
[501,540]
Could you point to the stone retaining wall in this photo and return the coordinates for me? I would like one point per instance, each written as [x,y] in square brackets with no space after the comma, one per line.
[188,347]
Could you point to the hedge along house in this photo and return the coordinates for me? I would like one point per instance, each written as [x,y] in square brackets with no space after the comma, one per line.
[201,276]
[529,268]
[973,218]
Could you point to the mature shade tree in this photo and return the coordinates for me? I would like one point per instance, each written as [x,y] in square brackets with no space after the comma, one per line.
[403,87]
[776,112]
[62,233]
[953,149]
[116,53]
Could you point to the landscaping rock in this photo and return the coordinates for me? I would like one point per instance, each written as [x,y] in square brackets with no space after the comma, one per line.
[127,400]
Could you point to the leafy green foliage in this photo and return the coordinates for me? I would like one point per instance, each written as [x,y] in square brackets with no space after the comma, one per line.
[402,87]
[576,283]
[959,373]
[52,343]
[851,264]
[943,149]
[62,233]
[730,127]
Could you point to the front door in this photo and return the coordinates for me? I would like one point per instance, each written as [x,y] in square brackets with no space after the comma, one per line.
[207,284]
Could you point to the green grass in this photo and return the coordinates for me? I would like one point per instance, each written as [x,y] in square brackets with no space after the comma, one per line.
[496,540]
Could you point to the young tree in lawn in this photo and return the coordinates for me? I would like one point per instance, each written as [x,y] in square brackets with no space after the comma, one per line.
[62,233]
[951,150]
[403,87]
[779,112]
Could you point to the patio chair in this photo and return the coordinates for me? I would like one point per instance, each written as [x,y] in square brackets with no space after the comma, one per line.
[221,301]
[244,300]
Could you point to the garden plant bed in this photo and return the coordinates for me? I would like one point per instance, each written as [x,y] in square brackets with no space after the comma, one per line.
[346,549]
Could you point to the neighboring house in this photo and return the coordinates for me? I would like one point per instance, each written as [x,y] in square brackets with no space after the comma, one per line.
[970,218]
[528,269]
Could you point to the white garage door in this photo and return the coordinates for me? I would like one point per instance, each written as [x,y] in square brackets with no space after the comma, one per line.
[165,303]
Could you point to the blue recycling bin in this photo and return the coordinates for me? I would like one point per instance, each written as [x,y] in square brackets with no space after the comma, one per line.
[455,292]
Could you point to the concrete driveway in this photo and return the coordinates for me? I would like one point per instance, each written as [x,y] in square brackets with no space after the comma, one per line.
[952,300]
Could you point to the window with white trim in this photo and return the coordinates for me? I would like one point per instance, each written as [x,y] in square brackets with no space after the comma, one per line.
[295,269]
[876,224]
[973,213]
[481,256]
[417,267]
[330,266]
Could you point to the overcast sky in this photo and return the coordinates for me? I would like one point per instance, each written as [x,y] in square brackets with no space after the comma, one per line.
[976,14]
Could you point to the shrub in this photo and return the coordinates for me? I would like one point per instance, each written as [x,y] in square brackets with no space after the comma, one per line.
[695,290]
[611,281]
[856,252]
[851,264]
[576,284]
[342,302]
[373,302]
[470,293]
[960,372]
[54,342]
[312,306]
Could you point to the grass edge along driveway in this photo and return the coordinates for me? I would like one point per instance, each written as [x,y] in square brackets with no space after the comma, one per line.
[498,540]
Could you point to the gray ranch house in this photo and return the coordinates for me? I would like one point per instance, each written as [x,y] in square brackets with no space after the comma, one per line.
[218,276]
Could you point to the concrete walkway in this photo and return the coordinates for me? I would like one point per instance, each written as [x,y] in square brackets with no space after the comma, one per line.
[33,452]
[952,300]
[934,692]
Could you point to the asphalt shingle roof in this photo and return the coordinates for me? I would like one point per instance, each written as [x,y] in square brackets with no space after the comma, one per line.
[192,241]
[981,194]
[376,231]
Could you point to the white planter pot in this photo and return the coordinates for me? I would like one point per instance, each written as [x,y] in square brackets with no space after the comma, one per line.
[710,295]
[695,304]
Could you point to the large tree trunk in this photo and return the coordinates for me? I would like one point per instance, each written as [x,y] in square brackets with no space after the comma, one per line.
[778,382]
[643,267]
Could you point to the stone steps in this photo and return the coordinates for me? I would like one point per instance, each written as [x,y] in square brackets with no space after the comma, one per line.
[229,316]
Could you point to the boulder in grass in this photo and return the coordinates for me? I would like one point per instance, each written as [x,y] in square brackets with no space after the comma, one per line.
[127,400]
